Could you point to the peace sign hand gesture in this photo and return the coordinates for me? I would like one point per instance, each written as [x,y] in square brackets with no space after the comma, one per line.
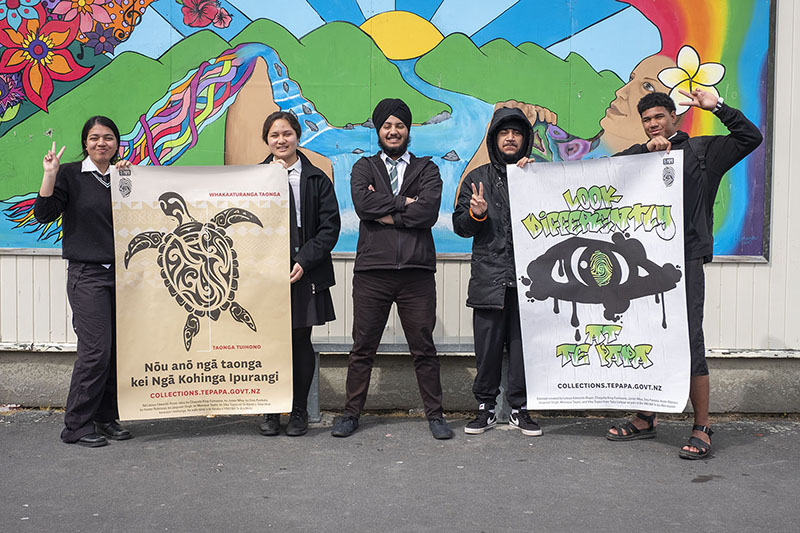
[699,98]
[50,163]
[52,160]
[477,204]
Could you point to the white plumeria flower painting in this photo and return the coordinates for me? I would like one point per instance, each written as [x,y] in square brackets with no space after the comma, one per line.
[690,74]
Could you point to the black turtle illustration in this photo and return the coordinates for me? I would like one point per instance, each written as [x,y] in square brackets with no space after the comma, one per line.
[198,262]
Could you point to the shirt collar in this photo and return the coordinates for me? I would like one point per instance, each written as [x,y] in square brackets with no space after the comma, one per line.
[405,158]
[87,165]
[297,167]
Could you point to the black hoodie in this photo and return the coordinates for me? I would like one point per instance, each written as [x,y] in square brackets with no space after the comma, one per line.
[492,244]
[720,153]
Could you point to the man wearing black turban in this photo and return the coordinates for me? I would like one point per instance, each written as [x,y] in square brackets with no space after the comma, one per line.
[396,195]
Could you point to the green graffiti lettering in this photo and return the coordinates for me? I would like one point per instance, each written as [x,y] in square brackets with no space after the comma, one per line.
[642,351]
[572,203]
[533,225]
[577,354]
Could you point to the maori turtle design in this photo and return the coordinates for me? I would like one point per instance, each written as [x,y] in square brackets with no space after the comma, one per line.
[198,262]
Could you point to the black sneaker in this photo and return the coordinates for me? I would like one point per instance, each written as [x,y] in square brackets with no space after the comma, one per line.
[521,420]
[486,419]
[345,426]
[271,425]
[298,423]
[440,429]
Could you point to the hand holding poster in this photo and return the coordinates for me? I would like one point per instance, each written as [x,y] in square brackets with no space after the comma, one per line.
[598,248]
[202,271]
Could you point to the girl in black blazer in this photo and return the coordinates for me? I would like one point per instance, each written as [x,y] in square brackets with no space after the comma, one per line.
[314,229]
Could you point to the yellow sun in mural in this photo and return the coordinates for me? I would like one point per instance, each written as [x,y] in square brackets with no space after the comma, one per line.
[402,35]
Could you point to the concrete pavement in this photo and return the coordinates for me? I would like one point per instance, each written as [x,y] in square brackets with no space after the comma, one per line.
[219,474]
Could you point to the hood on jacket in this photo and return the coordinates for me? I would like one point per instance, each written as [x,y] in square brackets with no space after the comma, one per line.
[502,118]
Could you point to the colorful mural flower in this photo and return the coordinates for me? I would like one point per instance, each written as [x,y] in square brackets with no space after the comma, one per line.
[223,18]
[101,39]
[690,74]
[39,53]
[11,92]
[199,13]
[89,11]
[14,11]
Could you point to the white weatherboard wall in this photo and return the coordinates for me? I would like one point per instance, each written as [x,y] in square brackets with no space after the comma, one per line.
[750,307]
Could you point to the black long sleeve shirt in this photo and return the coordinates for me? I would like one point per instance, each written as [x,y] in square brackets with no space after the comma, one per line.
[85,204]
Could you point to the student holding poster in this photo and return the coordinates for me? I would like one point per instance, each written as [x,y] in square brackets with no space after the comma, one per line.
[314,229]
[79,192]
[706,160]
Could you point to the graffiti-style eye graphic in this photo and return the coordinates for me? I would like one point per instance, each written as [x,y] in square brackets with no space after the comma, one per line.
[598,272]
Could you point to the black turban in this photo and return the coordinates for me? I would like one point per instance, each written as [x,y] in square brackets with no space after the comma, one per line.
[388,107]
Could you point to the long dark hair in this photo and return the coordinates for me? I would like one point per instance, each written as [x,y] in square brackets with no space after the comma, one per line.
[102,121]
[277,115]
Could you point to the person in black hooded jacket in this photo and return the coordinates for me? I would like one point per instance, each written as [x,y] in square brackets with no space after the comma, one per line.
[482,212]
[314,225]
[705,160]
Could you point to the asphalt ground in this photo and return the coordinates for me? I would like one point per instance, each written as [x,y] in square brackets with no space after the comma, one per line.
[219,474]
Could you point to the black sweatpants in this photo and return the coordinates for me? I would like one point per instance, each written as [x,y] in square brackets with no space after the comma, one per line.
[93,389]
[493,330]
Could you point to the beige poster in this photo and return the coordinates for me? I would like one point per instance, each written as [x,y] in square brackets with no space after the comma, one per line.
[203,304]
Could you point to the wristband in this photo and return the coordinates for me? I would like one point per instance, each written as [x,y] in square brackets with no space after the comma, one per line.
[472,215]
[718,106]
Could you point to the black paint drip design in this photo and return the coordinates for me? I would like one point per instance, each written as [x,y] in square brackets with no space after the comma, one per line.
[622,282]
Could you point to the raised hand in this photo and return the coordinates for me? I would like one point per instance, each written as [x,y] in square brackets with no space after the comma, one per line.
[52,160]
[477,204]
[699,98]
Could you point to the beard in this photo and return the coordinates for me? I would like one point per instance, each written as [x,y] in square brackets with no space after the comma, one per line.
[511,159]
[395,152]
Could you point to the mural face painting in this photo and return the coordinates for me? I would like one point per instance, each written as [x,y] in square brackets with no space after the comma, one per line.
[616,256]
[218,240]
[190,83]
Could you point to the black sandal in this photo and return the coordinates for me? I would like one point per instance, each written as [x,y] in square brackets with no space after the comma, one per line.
[703,446]
[631,432]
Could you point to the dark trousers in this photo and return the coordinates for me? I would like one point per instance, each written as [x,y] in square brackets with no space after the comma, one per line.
[303,364]
[695,301]
[493,330]
[414,292]
[93,389]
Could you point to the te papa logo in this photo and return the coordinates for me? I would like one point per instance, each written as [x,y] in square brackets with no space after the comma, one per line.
[599,339]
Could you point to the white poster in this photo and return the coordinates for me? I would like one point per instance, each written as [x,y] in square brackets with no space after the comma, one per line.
[598,248]
[202,281]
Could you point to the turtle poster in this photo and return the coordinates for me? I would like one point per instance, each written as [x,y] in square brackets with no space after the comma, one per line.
[598,249]
[202,271]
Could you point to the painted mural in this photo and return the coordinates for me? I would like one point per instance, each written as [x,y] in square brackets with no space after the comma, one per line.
[189,82]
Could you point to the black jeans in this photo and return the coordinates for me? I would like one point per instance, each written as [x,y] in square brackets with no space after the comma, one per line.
[493,330]
[93,389]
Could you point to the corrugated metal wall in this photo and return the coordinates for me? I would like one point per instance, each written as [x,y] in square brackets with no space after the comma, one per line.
[748,306]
